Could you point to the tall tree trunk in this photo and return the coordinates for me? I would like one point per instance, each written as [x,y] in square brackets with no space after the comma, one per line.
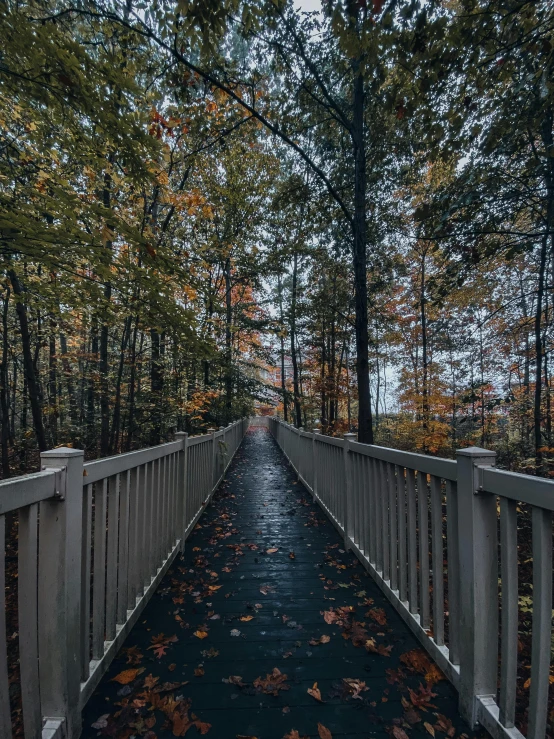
[66,367]
[425,384]
[4,390]
[282,347]
[228,342]
[131,420]
[156,384]
[28,363]
[116,420]
[53,409]
[365,422]
[91,390]
[293,355]
[541,288]
[103,364]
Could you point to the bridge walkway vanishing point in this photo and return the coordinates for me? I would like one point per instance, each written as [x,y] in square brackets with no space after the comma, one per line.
[266,626]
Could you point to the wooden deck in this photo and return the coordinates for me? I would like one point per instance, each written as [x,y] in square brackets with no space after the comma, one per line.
[245,614]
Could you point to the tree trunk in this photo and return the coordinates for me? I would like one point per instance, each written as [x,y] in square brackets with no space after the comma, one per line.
[282,343]
[156,385]
[28,363]
[228,342]
[4,389]
[295,383]
[365,423]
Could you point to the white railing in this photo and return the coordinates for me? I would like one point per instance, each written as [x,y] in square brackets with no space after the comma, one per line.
[431,532]
[94,541]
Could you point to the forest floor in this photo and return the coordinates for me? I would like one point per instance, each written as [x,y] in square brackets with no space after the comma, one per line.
[266,628]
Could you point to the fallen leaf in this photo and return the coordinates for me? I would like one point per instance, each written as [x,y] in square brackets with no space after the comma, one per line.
[272,683]
[272,550]
[171,667]
[324,732]
[398,733]
[292,555]
[201,634]
[127,676]
[421,698]
[235,632]
[379,615]
[101,722]
[199,671]
[236,680]
[150,681]
[324,639]
[429,728]
[246,618]
[315,692]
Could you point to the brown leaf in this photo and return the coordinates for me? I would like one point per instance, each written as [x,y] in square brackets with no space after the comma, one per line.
[199,671]
[379,615]
[201,634]
[236,680]
[444,724]
[315,692]
[324,732]
[421,698]
[272,683]
[150,681]
[246,618]
[324,639]
[398,733]
[127,676]
[429,728]
[292,555]
[272,550]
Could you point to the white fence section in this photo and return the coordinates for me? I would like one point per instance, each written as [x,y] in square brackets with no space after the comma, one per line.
[94,541]
[440,539]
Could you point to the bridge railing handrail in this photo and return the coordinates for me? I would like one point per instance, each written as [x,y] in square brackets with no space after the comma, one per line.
[431,532]
[93,542]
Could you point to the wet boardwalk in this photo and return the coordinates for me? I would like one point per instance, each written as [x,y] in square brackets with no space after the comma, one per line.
[266,627]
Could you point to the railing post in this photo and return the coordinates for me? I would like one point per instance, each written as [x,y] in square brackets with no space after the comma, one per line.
[59,591]
[478,558]
[314,460]
[212,431]
[182,487]
[347,506]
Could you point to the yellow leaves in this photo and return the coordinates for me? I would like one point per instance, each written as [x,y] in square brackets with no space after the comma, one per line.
[527,683]
[200,634]
[127,676]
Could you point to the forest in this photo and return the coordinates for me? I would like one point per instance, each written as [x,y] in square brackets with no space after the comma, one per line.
[209,207]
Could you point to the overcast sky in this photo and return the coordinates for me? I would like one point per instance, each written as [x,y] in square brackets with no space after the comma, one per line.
[309,4]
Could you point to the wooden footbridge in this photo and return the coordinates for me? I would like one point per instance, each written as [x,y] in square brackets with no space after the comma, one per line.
[326,589]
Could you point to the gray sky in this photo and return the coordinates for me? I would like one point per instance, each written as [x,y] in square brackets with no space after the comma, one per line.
[308,4]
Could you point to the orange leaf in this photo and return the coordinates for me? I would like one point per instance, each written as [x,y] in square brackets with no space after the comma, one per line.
[315,692]
[201,634]
[324,732]
[127,676]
